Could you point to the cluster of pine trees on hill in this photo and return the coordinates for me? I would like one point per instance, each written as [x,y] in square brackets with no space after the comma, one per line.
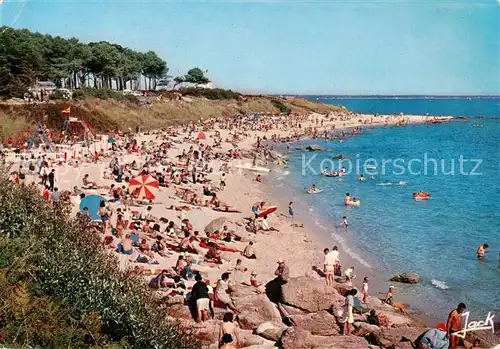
[26,57]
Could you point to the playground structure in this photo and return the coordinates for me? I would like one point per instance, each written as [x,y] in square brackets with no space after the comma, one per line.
[74,131]
[78,130]
[29,139]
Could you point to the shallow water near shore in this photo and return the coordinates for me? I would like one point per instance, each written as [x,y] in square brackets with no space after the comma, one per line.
[392,233]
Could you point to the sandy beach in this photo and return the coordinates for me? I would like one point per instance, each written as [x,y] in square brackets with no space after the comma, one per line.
[231,144]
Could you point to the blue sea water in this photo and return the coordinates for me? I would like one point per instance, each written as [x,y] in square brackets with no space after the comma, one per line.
[473,106]
[391,232]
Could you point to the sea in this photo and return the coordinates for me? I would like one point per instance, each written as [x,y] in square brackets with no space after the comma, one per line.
[456,162]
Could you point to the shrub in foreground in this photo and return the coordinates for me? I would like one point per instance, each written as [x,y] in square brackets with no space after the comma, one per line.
[68,284]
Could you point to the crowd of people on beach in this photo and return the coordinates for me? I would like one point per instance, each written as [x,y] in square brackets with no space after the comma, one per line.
[190,167]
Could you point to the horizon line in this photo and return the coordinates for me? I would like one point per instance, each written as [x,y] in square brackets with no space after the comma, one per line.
[388,95]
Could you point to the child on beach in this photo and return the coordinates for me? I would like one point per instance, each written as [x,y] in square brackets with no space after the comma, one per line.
[222,181]
[365,289]
[344,223]
[253,279]
[349,274]
[290,210]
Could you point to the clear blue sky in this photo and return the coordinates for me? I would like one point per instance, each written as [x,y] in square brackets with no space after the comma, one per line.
[303,47]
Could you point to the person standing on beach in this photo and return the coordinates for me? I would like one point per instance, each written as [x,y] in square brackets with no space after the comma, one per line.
[329,266]
[290,211]
[222,181]
[348,316]
[365,289]
[454,324]
[51,178]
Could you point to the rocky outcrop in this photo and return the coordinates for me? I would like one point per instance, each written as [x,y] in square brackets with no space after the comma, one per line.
[310,294]
[271,330]
[179,311]
[363,329]
[248,339]
[255,310]
[321,323]
[398,336]
[296,338]
[407,278]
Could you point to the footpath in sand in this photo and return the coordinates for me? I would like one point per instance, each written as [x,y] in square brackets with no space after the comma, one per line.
[182,220]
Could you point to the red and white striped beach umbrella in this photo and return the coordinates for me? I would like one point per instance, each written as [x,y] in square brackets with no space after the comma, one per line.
[143,187]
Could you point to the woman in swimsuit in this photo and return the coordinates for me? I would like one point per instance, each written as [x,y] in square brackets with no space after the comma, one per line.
[104,214]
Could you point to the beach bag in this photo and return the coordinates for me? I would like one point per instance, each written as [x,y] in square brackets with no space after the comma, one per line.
[337,270]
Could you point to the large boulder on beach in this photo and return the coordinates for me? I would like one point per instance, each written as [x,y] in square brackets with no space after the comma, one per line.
[310,295]
[249,339]
[271,330]
[321,323]
[407,278]
[363,329]
[398,336]
[297,338]
[239,290]
[255,310]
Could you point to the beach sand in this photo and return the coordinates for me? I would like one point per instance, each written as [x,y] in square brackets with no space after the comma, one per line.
[301,247]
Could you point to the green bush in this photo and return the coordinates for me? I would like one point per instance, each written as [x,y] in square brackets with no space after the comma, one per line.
[58,95]
[72,292]
[282,108]
[209,93]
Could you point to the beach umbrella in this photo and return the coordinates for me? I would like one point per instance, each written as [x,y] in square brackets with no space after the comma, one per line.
[146,186]
[92,203]
[216,224]
[201,135]
[267,211]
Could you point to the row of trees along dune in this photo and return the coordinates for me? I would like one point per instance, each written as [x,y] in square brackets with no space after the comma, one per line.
[26,57]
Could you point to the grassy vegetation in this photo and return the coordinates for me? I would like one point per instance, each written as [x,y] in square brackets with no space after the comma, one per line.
[213,94]
[61,289]
[107,110]
[281,107]
[104,94]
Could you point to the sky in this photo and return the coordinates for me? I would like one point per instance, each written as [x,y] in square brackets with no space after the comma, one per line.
[295,47]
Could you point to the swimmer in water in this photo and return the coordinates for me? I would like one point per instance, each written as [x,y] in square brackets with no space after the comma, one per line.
[313,188]
[347,198]
[481,251]
[361,178]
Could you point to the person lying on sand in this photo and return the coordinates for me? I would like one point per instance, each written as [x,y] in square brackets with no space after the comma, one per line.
[161,281]
[179,208]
